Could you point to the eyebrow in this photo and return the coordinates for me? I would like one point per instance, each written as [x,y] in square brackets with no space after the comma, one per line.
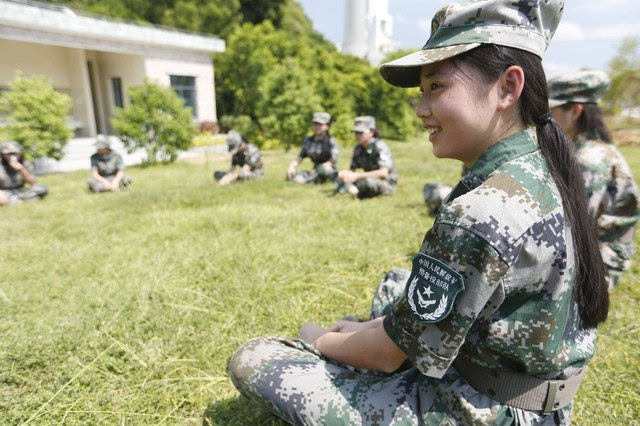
[431,74]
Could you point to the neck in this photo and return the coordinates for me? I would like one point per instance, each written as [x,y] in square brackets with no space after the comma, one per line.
[503,130]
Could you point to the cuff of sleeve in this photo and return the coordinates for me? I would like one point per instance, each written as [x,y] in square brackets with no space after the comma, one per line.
[429,363]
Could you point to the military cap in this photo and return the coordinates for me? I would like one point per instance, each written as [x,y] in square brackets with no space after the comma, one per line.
[102,142]
[364,124]
[586,87]
[233,141]
[459,27]
[10,147]
[321,117]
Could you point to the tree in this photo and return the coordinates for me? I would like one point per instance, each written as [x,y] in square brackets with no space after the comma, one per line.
[36,116]
[624,70]
[156,120]
[287,102]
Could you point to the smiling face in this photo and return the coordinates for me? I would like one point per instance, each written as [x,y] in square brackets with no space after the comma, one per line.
[319,129]
[363,138]
[459,110]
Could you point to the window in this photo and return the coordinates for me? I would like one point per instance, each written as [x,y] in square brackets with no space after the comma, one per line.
[185,87]
[116,83]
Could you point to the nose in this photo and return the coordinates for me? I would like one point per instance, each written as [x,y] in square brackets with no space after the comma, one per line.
[424,108]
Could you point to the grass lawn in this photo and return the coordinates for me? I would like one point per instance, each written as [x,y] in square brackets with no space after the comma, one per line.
[124,308]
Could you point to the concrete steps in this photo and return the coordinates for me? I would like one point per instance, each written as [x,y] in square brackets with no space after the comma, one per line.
[78,151]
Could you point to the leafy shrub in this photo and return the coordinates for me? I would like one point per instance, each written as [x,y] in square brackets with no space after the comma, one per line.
[156,120]
[36,116]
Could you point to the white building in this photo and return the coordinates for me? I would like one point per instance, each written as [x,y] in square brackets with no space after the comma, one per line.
[368,29]
[95,59]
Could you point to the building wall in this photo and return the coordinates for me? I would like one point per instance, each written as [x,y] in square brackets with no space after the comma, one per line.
[160,65]
[129,68]
[64,66]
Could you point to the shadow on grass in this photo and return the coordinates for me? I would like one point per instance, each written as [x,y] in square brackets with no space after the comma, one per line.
[239,411]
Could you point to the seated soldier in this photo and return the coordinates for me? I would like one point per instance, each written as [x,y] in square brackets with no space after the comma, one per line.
[322,149]
[374,157]
[18,182]
[245,155]
[107,169]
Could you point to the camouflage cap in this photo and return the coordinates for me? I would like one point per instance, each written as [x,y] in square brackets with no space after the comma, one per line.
[457,28]
[585,87]
[364,124]
[10,147]
[102,142]
[321,117]
[233,141]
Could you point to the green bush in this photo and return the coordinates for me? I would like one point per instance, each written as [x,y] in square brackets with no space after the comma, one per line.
[36,116]
[287,103]
[156,120]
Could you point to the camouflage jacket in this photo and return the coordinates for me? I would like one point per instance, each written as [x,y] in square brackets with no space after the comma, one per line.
[11,179]
[376,155]
[107,166]
[250,155]
[613,199]
[320,150]
[502,236]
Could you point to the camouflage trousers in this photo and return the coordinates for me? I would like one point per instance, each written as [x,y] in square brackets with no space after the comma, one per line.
[300,385]
[242,174]
[613,276]
[369,187]
[20,195]
[320,174]
[97,186]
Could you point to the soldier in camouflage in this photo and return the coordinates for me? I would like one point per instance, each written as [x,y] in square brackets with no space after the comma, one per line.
[371,154]
[18,182]
[245,156]
[611,189]
[323,151]
[485,328]
[107,169]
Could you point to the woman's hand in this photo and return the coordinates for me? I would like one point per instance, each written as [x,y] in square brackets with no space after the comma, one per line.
[310,332]
[346,326]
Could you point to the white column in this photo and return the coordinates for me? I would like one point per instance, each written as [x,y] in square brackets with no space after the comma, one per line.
[355,33]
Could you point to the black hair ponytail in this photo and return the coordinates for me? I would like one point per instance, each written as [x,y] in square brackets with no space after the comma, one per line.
[591,290]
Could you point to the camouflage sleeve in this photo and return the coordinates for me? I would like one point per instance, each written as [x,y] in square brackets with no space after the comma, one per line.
[29,166]
[431,339]
[355,162]
[304,151]
[612,201]
[119,163]
[94,162]
[335,150]
[253,156]
[385,161]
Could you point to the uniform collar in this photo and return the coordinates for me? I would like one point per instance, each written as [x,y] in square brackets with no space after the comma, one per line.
[517,145]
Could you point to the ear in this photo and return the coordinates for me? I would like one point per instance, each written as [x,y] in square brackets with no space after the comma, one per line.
[510,85]
[576,111]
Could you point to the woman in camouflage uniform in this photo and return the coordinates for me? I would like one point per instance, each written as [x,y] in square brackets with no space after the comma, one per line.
[18,182]
[245,156]
[373,156]
[611,189]
[321,148]
[496,320]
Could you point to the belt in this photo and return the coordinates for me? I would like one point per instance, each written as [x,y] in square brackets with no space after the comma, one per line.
[519,390]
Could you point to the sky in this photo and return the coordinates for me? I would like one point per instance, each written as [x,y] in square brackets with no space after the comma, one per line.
[589,34]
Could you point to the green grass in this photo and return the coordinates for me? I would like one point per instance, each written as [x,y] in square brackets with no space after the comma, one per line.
[124,308]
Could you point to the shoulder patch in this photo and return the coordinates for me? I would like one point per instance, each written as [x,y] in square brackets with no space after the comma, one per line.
[432,288]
